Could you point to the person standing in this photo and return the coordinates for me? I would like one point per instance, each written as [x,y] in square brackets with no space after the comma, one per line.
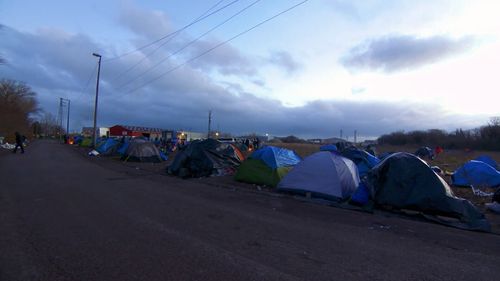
[19,143]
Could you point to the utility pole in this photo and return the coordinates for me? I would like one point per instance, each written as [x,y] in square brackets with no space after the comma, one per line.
[94,139]
[59,118]
[355,136]
[209,122]
[62,103]
[67,121]
[340,133]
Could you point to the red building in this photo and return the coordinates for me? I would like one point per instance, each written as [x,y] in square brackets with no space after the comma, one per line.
[134,131]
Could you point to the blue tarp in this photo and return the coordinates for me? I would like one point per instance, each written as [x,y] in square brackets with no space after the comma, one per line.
[488,160]
[106,146]
[363,160]
[163,156]
[476,173]
[276,157]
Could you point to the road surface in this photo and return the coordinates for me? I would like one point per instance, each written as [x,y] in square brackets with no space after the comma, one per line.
[64,216]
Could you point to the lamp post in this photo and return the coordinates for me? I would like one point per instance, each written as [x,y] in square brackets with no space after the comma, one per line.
[94,139]
[67,120]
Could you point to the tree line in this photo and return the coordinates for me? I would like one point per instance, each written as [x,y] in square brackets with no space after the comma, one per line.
[19,112]
[486,137]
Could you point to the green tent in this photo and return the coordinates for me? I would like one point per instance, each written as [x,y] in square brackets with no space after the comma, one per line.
[267,166]
[256,171]
[86,142]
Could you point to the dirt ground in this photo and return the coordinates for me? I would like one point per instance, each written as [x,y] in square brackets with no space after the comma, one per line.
[77,217]
[449,160]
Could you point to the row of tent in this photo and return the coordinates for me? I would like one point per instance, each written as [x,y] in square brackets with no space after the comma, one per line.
[400,180]
[133,150]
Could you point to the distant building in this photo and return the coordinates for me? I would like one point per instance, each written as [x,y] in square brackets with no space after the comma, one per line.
[135,131]
[100,131]
[190,136]
[262,138]
[315,141]
[174,135]
[333,140]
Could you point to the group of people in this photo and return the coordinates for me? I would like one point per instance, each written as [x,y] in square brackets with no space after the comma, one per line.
[252,143]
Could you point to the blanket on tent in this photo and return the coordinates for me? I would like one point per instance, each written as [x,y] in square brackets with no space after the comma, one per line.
[404,181]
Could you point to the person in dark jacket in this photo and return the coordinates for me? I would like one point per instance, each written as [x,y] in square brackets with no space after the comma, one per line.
[19,143]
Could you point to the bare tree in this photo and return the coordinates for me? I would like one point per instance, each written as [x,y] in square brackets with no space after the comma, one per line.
[17,105]
[48,125]
[495,121]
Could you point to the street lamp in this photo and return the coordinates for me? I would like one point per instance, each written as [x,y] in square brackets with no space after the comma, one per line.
[94,139]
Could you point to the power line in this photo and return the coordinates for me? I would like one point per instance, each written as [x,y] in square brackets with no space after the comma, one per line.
[172,33]
[189,44]
[87,84]
[216,46]
[164,43]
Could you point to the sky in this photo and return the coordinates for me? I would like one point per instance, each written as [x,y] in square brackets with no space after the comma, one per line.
[278,67]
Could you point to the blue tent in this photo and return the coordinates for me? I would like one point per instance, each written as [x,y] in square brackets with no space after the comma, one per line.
[122,149]
[77,139]
[488,160]
[363,160]
[108,146]
[276,157]
[328,147]
[476,173]
[323,174]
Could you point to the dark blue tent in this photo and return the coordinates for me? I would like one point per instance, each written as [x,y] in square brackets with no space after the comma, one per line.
[363,160]
[107,147]
[476,173]
[276,157]
[122,149]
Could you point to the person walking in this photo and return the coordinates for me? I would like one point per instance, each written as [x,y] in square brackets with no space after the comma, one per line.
[19,143]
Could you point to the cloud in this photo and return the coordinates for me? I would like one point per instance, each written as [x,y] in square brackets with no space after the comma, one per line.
[226,59]
[58,64]
[403,52]
[150,26]
[286,61]
[144,23]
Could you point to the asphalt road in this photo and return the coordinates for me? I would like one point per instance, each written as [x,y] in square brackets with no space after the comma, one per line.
[64,216]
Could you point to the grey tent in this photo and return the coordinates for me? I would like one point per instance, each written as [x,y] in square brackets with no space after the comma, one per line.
[324,174]
[141,150]
[206,158]
[404,181]
[425,152]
